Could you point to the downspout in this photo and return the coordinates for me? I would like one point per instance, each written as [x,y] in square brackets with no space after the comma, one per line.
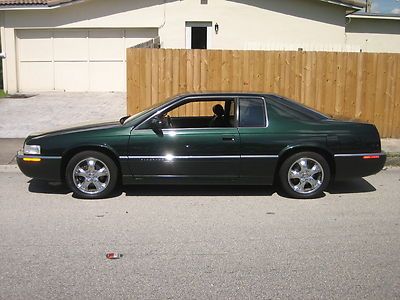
[164,21]
[165,15]
[2,55]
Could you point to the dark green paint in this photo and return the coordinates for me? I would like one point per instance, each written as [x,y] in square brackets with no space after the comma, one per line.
[291,128]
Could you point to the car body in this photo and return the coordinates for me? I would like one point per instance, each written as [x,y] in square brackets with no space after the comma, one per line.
[261,139]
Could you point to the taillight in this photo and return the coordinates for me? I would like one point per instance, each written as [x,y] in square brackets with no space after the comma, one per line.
[371,157]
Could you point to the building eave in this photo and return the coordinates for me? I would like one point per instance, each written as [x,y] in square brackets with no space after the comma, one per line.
[345,4]
[51,5]
[375,16]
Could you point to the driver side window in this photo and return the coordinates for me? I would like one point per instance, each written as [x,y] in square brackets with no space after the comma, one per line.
[204,113]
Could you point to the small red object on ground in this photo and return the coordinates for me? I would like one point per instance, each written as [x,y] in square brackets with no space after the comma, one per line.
[112,255]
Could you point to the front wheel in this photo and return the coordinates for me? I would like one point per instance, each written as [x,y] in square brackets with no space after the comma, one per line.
[304,175]
[91,175]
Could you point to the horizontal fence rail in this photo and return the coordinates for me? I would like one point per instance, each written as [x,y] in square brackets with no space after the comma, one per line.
[352,86]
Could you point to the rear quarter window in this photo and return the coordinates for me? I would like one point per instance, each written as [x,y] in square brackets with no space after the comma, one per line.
[252,112]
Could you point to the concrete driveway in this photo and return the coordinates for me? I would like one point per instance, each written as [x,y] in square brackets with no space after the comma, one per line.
[22,116]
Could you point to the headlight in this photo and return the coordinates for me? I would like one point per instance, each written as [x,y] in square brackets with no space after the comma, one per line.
[31,149]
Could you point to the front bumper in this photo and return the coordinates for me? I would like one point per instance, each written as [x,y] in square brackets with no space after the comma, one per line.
[40,167]
[358,165]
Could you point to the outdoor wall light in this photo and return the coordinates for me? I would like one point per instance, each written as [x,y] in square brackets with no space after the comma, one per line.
[216,27]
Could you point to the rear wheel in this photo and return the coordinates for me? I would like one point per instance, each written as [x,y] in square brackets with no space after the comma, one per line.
[305,175]
[91,175]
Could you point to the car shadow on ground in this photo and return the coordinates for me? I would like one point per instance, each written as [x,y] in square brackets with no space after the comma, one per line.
[358,185]
[346,187]
[197,190]
[44,187]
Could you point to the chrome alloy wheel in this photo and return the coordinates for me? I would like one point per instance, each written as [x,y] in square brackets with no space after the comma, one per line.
[91,176]
[305,176]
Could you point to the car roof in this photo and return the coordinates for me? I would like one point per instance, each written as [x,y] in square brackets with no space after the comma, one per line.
[229,94]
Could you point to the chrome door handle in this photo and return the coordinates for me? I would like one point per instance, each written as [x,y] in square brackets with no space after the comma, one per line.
[228,139]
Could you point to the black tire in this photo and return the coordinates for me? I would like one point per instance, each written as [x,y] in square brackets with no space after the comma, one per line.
[301,183]
[100,175]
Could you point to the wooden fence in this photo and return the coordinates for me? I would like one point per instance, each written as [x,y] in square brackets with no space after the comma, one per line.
[355,86]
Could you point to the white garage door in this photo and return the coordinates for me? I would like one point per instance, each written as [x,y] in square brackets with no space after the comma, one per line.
[76,59]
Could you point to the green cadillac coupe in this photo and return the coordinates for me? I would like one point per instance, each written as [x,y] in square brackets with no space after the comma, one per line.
[219,138]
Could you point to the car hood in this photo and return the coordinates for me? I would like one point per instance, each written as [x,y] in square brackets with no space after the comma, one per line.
[76,128]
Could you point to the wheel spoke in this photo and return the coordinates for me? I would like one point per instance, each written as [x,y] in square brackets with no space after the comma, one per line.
[300,187]
[84,185]
[102,172]
[81,172]
[293,174]
[314,183]
[91,165]
[315,170]
[303,165]
[99,186]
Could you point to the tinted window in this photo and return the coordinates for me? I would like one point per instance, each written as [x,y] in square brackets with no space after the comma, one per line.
[252,112]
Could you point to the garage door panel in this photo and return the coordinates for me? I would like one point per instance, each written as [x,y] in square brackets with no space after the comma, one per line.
[76,59]
[34,45]
[106,44]
[107,76]
[71,76]
[36,76]
[71,45]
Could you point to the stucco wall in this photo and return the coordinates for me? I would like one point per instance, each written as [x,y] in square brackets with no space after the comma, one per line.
[244,24]
[259,24]
[374,35]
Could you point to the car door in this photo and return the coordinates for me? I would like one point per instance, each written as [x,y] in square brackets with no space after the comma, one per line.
[259,157]
[176,154]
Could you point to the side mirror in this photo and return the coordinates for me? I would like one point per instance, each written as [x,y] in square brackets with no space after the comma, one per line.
[156,125]
[123,119]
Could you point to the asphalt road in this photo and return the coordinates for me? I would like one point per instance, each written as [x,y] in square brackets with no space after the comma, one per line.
[201,242]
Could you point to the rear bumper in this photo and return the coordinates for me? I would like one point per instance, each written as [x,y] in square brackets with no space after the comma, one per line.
[40,167]
[358,165]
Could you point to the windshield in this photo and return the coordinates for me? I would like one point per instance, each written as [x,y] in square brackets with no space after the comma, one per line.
[141,113]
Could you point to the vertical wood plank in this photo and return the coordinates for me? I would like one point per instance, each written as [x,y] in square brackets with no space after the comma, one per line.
[370,83]
[298,77]
[154,76]
[320,81]
[395,132]
[142,79]
[310,70]
[245,61]
[391,94]
[290,81]
[236,70]
[330,84]
[360,89]
[147,78]
[161,75]
[340,83]
[168,73]
[204,74]
[380,100]
[350,89]
[268,69]
[196,79]
[185,77]
[226,71]
[133,88]
[277,72]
